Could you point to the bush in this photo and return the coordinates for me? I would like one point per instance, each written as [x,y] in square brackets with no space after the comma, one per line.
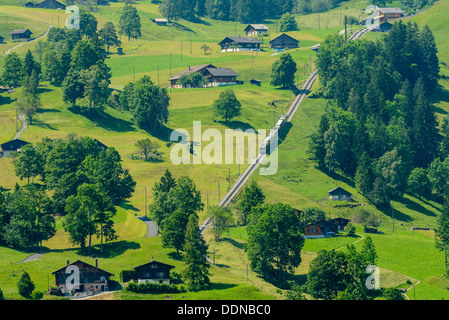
[350,230]
[1,295]
[25,286]
[152,288]
[392,294]
[55,291]
[37,295]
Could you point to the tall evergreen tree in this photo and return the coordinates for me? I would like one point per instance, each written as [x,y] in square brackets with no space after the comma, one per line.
[196,273]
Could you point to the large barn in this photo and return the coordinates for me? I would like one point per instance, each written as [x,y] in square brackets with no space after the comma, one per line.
[283,41]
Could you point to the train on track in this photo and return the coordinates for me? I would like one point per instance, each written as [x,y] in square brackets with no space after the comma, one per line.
[274,133]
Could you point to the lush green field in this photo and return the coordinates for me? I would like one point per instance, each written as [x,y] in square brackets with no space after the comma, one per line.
[402,255]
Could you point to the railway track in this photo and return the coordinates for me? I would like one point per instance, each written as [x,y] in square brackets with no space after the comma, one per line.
[242,179]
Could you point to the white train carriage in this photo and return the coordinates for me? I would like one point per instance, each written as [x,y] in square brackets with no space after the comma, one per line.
[274,132]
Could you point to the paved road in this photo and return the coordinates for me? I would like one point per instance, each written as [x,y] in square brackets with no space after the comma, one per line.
[152,227]
[24,126]
[33,257]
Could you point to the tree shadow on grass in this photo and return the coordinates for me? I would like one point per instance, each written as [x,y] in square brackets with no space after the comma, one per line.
[43,125]
[173,255]
[235,125]
[235,243]
[398,215]
[128,206]
[440,94]
[50,110]
[110,250]
[221,286]
[412,205]
[105,120]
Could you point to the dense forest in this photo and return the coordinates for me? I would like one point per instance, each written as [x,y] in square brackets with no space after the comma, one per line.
[246,11]
[379,126]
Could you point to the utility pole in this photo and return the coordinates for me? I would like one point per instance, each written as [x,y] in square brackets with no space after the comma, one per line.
[346,28]
[190,35]
[392,215]
[145,201]
[170,64]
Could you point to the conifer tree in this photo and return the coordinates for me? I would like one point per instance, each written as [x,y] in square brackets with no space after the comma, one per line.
[196,273]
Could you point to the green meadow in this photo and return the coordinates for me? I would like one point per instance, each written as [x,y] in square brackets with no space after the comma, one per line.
[404,257]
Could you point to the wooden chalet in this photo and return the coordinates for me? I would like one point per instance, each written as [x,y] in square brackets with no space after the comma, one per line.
[381,15]
[29,4]
[240,44]
[92,279]
[200,69]
[49,4]
[12,146]
[385,13]
[221,76]
[339,193]
[283,41]
[256,29]
[160,22]
[154,271]
[21,34]
[255,82]
[319,229]
[341,223]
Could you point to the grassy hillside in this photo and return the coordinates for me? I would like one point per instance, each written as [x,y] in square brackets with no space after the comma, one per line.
[403,256]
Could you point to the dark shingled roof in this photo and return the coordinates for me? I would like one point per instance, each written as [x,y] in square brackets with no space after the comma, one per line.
[192,69]
[20,31]
[243,39]
[222,72]
[60,269]
[283,34]
[340,190]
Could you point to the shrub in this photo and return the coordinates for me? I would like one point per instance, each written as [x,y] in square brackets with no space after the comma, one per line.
[152,288]
[55,291]
[25,286]
[350,230]
[37,295]
[392,294]
[1,295]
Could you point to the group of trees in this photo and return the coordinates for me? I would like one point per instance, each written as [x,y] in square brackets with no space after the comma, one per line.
[379,124]
[244,11]
[147,102]
[25,73]
[341,275]
[73,59]
[174,208]
[85,182]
